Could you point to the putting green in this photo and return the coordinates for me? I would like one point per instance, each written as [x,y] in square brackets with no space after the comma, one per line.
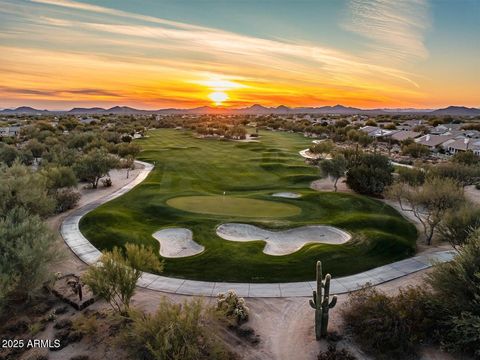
[185,189]
[234,206]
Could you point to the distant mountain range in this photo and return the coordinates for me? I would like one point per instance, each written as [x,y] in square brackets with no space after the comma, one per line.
[252,110]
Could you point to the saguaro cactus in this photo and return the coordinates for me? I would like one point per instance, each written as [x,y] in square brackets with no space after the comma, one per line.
[321,303]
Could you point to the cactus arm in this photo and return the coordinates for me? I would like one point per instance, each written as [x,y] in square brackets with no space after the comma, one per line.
[333,302]
[312,304]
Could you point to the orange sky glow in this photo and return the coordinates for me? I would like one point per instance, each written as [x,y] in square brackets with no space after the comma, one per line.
[68,53]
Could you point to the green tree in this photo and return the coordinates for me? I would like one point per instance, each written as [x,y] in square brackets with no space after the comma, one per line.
[334,168]
[8,154]
[370,174]
[429,203]
[36,147]
[95,165]
[127,149]
[20,187]
[115,277]
[59,177]
[26,252]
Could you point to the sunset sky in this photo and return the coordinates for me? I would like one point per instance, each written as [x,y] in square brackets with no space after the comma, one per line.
[151,54]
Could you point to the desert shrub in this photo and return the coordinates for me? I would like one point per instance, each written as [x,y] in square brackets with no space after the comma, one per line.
[468,158]
[87,325]
[458,282]
[370,174]
[323,147]
[463,174]
[175,331]
[391,327]
[233,307]
[333,354]
[20,187]
[429,203]
[411,176]
[415,150]
[26,252]
[456,286]
[95,165]
[66,199]
[115,277]
[463,334]
[459,224]
[107,182]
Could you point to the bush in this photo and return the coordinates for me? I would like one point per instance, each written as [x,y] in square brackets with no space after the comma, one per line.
[370,174]
[175,331]
[87,325]
[468,158]
[115,277]
[233,307]
[390,326]
[66,199]
[456,286]
[459,224]
[107,182]
[463,174]
[20,187]
[411,176]
[26,249]
[458,282]
[333,354]
[415,150]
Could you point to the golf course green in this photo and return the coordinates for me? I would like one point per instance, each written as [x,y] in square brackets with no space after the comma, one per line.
[233,206]
[199,184]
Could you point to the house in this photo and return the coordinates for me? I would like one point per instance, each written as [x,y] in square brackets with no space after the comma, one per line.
[410,124]
[446,129]
[9,131]
[432,141]
[460,145]
[375,131]
[404,135]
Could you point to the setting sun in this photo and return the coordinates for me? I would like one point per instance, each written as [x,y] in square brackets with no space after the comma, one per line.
[218,97]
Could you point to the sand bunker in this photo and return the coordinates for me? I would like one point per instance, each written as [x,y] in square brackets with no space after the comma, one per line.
[177,242]
[288,195]
[286,241]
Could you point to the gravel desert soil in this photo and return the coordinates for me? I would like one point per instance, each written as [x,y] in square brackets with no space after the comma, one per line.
[285,325]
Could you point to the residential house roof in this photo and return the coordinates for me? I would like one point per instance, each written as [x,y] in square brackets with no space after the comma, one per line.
[404,135]
[433,140]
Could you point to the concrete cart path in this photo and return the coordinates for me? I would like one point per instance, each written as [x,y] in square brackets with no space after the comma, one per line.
[89,254]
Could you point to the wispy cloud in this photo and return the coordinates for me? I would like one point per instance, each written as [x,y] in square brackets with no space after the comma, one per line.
[153,59]
[395,27]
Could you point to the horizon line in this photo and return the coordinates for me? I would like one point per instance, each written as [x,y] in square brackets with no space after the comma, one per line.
[223,108]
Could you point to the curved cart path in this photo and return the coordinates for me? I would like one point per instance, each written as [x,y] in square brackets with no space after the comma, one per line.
[89,254]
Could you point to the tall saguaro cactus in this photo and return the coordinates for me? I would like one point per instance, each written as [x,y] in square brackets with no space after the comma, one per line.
[321,303]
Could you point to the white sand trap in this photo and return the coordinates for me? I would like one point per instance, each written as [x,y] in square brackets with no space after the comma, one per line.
[288,195]
[177,242]
[286,241]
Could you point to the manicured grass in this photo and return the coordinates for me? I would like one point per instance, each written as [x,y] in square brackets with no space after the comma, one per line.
[233,206]
[192,174]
